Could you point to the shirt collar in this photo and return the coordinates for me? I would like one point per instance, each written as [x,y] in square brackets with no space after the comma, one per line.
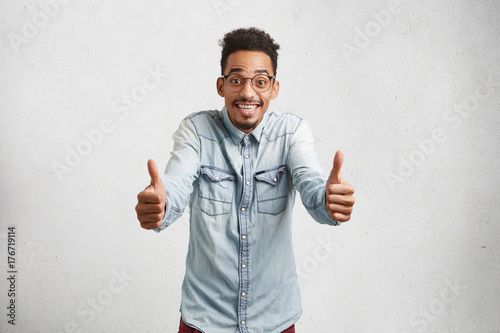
[236,134]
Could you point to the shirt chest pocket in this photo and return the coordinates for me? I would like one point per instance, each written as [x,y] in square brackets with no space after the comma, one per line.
[216,190]
[272,190]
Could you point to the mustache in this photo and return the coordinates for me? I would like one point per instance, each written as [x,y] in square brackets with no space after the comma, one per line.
[249,101]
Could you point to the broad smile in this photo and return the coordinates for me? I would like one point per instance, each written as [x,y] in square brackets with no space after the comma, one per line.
[247,109]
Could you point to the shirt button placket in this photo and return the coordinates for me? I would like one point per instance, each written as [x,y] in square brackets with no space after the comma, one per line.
[243,224]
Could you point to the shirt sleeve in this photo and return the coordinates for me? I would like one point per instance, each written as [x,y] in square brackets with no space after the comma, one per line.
[308,176]
[181,171]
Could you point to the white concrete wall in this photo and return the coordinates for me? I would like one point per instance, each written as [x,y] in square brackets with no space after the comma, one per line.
[399,86]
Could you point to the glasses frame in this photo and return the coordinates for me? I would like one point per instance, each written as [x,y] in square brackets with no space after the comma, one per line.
[224,77]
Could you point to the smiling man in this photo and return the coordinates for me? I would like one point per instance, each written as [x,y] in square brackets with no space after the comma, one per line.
[238,169]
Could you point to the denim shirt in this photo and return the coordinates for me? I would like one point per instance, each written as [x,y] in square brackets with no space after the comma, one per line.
[240,267]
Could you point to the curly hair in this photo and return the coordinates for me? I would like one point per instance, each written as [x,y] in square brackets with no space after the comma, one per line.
[251,39]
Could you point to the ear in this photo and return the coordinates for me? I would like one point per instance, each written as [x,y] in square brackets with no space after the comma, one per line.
[220,86]
[275,90]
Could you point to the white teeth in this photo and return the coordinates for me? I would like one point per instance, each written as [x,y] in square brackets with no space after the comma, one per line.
[247,107]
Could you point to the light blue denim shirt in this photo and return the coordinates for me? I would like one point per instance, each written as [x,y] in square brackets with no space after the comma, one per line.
[240,267]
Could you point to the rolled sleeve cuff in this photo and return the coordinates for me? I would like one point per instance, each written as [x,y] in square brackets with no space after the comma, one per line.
[172,212]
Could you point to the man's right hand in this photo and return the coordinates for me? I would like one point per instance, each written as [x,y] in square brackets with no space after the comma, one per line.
[152,201]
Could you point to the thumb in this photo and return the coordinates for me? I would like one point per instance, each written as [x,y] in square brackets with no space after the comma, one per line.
[155,176]
[335,177]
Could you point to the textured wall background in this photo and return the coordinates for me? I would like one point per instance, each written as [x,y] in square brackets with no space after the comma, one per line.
[409,90]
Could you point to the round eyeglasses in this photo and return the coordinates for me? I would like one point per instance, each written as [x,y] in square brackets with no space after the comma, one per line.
[260,82]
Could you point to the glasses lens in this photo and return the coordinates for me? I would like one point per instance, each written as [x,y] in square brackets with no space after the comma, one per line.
[235,82]
[261,83]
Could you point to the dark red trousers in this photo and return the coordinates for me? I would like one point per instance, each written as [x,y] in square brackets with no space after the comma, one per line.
[183,328]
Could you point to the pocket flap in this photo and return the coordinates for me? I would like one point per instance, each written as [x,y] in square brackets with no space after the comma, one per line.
[216,174]
[272,176]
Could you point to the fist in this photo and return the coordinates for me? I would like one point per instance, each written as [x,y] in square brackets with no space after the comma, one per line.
[152,201]
[339,194]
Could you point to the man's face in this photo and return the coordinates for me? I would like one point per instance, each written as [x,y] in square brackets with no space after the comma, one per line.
[246,108]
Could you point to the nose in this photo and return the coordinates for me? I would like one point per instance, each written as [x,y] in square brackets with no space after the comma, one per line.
[247,92]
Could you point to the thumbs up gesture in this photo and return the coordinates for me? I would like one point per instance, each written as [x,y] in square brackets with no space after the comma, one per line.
[152,201]
[339,199]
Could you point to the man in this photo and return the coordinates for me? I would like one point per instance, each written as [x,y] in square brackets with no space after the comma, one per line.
[238,170]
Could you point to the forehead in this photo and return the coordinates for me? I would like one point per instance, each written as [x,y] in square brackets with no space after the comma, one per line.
[249,61]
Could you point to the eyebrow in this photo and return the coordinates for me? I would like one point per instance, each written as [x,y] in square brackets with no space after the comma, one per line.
[239,70]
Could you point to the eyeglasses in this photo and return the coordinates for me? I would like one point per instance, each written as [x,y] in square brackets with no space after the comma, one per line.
[260,82]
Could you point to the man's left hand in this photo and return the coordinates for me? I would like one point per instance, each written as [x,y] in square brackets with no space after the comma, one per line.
[339,194]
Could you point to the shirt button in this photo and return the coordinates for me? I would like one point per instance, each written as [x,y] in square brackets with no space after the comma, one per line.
[243,294]
[247,182]
[242,322]
[244,237]
[275,180]
[246,137]
[246,156]
[242,209]
[243,266]
[216,178]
